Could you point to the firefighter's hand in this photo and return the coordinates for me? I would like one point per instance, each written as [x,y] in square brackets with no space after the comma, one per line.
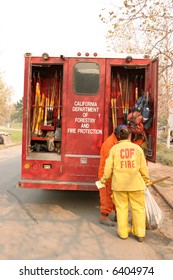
[99,185]
[148,184]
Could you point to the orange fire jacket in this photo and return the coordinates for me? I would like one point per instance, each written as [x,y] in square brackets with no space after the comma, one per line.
[104,152]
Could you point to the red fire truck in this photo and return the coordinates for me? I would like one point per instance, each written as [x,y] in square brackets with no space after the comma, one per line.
[71,105]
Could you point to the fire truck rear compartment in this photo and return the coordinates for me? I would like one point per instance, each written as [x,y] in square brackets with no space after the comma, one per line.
[64,125]
[46,110]
[47,104]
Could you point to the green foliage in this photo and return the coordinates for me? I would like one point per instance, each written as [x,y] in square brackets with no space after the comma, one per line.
[5,98]
[15,135]
[162,121]
[164,155]
[16,125]
[16,116]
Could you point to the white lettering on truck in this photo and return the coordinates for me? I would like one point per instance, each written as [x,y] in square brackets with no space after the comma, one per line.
[84,120]
[86,108]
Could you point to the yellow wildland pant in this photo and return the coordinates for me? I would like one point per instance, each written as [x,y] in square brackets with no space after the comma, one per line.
[137,203]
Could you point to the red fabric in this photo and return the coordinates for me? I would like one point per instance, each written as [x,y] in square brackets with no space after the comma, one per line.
[139,142]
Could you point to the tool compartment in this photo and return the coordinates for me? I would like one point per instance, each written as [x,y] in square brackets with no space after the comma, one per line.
[46,106]
[130,100]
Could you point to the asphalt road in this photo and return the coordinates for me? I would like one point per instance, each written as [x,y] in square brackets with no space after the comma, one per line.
[61,225]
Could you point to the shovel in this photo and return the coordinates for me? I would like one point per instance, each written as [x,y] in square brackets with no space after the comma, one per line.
[158,180]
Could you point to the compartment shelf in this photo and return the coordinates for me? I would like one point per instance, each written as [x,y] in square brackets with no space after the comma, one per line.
[47,127]
[37,138]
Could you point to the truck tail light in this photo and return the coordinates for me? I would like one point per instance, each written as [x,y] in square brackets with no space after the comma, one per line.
[27,165]
[35,165]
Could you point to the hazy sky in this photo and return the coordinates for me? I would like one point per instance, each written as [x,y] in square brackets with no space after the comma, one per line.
[53,26]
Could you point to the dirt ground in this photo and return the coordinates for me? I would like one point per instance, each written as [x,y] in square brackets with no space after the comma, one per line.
[163,193]
[164,188]
[73,217]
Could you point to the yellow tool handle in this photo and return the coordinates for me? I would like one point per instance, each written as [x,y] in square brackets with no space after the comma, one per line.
[159,180]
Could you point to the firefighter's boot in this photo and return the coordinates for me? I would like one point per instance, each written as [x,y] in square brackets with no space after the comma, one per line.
[114,217]
[104,220]
[107,222]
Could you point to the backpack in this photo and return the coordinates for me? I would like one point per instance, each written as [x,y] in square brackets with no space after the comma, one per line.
[143,105]
[148,123]
[139,104]
[134,122]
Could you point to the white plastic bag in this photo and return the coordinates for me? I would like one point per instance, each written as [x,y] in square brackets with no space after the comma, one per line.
[154,214]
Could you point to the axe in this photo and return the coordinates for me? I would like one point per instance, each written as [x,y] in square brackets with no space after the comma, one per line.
[158,180]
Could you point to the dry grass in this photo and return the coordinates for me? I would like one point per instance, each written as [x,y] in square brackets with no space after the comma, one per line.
[164,155]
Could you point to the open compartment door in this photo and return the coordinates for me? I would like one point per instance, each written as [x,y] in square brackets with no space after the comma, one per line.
[151,83]
[26,135]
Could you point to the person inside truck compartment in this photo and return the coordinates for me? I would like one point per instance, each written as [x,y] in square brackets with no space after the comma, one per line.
[126,164]
[105,194]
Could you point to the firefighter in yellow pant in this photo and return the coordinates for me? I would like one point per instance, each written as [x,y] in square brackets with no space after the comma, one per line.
[127,166]
[105,194]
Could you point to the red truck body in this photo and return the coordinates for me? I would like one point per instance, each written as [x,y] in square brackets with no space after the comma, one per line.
[67,114]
